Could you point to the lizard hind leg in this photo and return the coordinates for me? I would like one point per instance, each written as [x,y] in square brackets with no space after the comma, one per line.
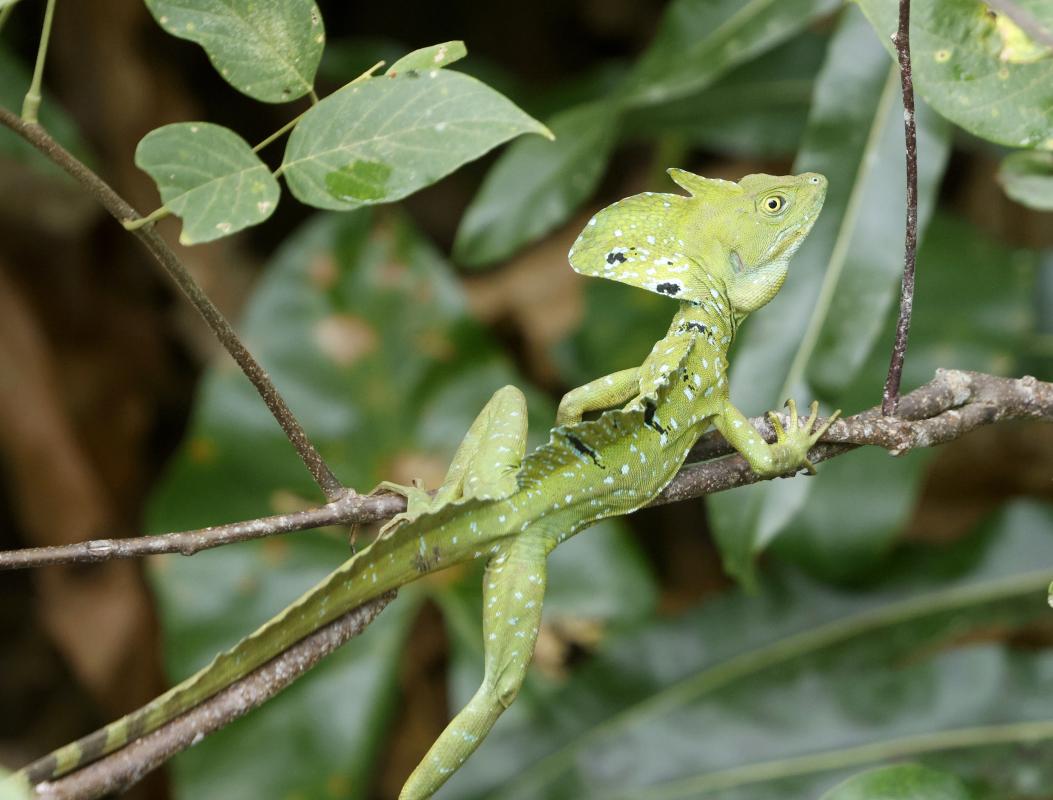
[513,590]
[485,463]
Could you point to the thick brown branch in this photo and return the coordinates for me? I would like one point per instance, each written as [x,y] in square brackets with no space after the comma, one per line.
[224,331]
[119,770]
[947,407]
[890,396]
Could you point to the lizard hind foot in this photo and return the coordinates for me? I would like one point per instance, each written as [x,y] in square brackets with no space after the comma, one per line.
[418,501]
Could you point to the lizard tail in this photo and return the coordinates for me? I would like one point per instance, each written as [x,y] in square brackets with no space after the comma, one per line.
[336,594]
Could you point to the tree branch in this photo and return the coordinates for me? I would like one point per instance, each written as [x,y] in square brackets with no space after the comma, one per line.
[221,327]
[124,767]
[890,396]
[952,404]
[947,407]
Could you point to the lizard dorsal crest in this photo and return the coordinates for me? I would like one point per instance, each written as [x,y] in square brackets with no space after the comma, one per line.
[709,189]
[650,240]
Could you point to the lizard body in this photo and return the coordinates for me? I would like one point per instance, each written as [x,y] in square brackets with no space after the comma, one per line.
[720,253]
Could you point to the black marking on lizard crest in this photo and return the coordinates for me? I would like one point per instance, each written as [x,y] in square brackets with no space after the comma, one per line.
[669,288]
[696,326]
[648,417]
[585,450]
[615,257]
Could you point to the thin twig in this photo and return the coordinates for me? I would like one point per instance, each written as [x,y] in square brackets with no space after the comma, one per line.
[350,509]
[124,767]
[890,396]
[224,331]
[952,404]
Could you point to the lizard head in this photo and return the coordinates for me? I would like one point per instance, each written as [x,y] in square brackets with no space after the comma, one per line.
[760,230]
[739,235]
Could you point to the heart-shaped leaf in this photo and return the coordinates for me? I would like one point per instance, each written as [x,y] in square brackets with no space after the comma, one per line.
[269,51]
[208,176]
[384,138]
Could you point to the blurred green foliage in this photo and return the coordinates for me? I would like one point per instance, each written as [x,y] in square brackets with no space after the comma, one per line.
[781,691]
[846,649]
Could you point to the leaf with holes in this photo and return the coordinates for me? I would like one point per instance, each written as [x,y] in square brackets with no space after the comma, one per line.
[269,51]
[978,67]
[208,176]
[384,138]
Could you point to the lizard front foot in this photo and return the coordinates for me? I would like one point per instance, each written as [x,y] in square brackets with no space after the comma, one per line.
[793,443]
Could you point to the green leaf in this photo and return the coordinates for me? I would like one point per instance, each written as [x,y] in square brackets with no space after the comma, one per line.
[759,108]
[384,138]
[698,40]
[812,340]
[900,782]
[783,694]
[269,51]
[536,185]
[977,68]
[1028,179]
[426,58]
[208,176]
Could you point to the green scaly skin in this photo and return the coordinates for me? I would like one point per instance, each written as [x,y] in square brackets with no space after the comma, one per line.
[722,253]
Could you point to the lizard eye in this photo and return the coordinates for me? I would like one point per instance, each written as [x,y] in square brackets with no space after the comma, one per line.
[774,203]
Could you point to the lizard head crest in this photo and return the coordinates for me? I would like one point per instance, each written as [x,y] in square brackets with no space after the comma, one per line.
[737,237]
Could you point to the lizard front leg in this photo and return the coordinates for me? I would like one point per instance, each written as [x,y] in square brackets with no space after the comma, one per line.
[790,451]
[610,391]
[513,590]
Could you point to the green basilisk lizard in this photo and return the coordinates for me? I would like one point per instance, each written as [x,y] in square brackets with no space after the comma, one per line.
[721,252]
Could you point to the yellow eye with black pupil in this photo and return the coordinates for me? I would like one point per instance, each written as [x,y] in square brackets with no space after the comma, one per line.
[774,203]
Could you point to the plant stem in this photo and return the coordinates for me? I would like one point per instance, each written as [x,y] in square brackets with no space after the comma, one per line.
[890,396]
[119,208]
[288,126]
[153,216]
[31,103]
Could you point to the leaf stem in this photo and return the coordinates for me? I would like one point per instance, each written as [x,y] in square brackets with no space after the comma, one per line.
[31,103]
[288,126]
[890,395]
[119,208]
[154,216]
